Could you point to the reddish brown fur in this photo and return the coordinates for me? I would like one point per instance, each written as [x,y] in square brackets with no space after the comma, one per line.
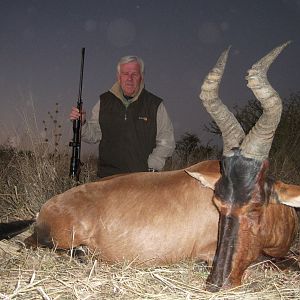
[152,218]
[270,230]
[278,229]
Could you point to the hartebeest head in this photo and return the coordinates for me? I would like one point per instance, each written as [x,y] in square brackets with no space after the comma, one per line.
[241,192]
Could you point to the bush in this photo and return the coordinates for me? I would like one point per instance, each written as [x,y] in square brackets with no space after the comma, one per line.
[190,150]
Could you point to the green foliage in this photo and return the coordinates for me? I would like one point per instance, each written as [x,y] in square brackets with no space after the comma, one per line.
[284,154]
[190,150]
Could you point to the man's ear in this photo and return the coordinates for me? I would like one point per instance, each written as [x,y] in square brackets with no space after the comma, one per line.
[207,179]
[288,194]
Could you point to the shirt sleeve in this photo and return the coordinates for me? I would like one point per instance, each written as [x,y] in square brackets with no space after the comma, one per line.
[165,141]
[91,131]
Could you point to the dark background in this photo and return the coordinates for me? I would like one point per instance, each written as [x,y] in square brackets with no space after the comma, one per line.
[41,41]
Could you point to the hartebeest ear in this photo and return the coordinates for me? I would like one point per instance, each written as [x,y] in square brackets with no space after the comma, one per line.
[287,194]
[207,179]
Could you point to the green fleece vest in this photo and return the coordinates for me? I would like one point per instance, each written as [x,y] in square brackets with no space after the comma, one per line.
[128,133]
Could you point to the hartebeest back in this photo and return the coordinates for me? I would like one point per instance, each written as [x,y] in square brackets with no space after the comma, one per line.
[148,218]
[158,218]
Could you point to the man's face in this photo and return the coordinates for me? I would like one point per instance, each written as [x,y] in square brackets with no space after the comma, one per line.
[130,78]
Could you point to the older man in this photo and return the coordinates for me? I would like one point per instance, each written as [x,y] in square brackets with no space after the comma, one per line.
[132,126]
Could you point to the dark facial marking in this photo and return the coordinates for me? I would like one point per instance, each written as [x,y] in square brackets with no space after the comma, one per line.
[222,264]
[238,180]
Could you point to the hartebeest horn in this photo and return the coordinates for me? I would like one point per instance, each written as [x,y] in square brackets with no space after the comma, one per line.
[232,132]
[258,141]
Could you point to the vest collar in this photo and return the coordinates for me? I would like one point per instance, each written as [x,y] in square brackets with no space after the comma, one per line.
[117,91]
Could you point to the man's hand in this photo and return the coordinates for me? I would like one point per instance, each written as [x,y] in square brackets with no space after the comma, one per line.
[75,114]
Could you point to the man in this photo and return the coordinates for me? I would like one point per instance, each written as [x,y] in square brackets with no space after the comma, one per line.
[132,126]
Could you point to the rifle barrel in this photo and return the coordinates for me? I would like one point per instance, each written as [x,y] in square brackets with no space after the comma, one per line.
[81,75]
[76,141]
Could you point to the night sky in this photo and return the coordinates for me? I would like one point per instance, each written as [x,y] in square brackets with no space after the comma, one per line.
[179,40]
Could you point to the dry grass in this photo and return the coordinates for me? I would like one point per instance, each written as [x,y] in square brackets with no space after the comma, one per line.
[43,274]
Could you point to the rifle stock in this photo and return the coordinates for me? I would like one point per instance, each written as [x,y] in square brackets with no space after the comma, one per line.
[76,141]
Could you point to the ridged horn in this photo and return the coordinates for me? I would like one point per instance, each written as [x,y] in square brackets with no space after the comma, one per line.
[258,141]
[232,132]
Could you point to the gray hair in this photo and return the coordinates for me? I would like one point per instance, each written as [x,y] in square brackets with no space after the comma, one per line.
[130,58]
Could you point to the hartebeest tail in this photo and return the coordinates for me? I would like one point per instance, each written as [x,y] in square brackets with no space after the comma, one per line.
[9,230]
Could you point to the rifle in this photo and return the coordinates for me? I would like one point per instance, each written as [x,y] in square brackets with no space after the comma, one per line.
[76,141]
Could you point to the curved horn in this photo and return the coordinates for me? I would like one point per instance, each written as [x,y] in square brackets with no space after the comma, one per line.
[232,131]
[258,141]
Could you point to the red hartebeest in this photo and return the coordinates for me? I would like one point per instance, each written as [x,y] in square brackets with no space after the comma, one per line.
[234,212]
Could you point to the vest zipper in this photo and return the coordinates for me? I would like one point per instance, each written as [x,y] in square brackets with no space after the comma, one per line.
[126,104]
[125,115]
